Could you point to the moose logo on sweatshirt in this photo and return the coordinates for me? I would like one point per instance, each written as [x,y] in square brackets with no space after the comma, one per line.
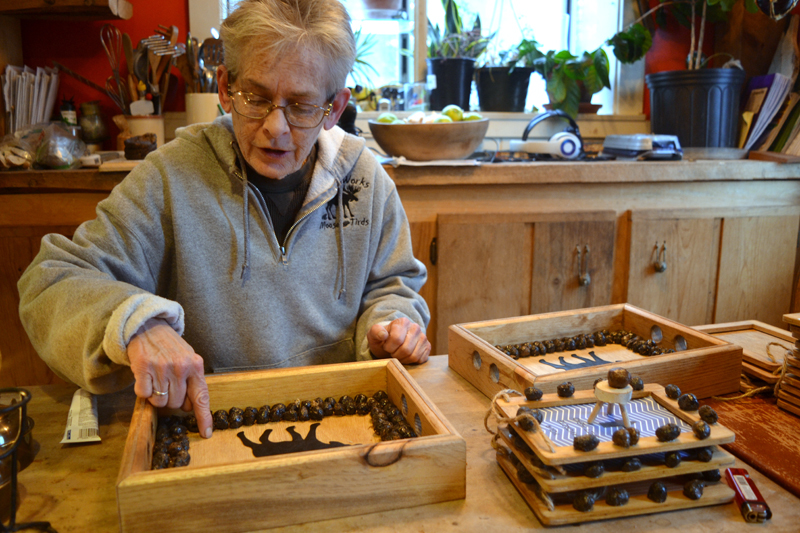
[350,190]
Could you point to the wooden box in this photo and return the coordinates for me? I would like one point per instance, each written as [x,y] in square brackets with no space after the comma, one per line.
[754,336]
[789,386]
[558,472]
[702,364]
[224,490]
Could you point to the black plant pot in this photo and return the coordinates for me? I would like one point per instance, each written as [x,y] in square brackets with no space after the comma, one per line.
[503,89]
[701,106]
[453,81]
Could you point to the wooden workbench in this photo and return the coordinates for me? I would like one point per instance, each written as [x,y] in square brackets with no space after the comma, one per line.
[73,486]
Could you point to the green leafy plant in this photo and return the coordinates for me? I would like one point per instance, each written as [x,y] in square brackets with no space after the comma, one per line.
[362,69]
[633,43]
[455,41]
[568,78]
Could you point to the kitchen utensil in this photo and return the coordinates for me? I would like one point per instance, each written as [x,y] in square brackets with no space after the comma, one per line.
[114,92]
[185,68]
[127,47]
[140,66]
[193,50]
[170,35]
[212,55]
[111,38]
[142,107]
[84,80]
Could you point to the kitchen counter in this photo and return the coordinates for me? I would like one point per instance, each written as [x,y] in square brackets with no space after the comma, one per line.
[73,486]
[559,172]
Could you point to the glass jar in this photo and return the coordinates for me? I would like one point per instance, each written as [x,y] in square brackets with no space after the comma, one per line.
[93,127]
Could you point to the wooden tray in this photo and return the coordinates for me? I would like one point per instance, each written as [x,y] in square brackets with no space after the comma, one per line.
[566,454]
[753,336]
[707,367]
[575,480]
[224,491]
[564,513]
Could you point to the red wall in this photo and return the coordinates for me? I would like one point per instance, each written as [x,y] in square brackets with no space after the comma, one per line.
[76,45]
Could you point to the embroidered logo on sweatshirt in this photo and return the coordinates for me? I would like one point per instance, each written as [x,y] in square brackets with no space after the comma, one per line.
[350,191]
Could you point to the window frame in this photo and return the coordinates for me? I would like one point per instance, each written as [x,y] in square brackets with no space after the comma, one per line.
[627,86]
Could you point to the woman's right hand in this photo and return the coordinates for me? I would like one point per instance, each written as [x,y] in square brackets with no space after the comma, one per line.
[162,362]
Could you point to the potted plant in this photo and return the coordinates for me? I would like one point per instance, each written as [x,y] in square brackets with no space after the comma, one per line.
[571,80]
[700,105]
[503,81]
[451,58]
[363,69]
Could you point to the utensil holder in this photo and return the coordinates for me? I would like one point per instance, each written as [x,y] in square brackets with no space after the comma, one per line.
[201,107]
[137,125]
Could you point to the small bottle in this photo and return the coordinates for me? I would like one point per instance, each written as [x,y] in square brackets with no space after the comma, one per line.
[69,113]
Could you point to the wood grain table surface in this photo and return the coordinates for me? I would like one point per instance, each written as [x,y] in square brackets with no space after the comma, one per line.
[73,486]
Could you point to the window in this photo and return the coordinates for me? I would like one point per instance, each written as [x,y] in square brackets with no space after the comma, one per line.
[576,25]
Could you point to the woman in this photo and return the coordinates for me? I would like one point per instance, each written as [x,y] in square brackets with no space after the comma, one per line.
[268,238]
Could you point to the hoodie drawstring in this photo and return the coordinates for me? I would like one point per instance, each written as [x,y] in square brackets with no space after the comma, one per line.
[342,258]
[245,276]
[245,196]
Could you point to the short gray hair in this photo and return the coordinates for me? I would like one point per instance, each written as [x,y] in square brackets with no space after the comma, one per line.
[281,26]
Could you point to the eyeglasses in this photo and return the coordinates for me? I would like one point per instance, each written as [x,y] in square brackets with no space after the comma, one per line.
[298,115]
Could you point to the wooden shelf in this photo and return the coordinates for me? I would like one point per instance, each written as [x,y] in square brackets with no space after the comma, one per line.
[57,9]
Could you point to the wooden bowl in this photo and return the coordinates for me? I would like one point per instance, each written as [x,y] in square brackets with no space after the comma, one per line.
[426,142]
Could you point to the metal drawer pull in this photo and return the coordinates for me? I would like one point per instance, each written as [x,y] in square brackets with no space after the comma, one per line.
[660,263]
[583,266]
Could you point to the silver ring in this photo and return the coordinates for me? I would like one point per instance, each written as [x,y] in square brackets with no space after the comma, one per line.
[159,393]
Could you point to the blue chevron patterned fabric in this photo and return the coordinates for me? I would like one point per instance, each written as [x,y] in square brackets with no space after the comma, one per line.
[563,423]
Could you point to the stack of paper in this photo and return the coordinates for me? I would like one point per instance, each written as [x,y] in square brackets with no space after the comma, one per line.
[29,95]
[766,97]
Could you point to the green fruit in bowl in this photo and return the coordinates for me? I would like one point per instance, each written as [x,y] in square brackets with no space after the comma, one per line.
[442,119]
[472,116]
[455,113]
[387,118]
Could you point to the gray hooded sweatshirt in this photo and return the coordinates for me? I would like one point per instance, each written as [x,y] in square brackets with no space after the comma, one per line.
[179,239]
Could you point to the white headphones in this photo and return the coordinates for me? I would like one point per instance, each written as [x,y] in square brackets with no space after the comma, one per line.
[563,145]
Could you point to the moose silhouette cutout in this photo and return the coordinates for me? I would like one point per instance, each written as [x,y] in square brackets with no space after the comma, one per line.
[565,365]
[297,444]
[349,194]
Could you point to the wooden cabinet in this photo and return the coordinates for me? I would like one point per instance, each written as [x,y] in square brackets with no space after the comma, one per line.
[500,265]
[756,265]
[673,263]
[712,266]
[500,240]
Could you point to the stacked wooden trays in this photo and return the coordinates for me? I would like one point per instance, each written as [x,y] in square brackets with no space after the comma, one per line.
[227,488]
[702,363]
[789,386]
[566,417]
[754,337]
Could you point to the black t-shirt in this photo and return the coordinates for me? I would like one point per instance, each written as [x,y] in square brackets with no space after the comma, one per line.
[284,197]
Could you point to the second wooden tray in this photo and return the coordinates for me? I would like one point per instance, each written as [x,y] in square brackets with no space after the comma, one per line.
[703,364]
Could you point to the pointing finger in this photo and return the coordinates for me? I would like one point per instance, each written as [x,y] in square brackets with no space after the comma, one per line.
[197,393]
